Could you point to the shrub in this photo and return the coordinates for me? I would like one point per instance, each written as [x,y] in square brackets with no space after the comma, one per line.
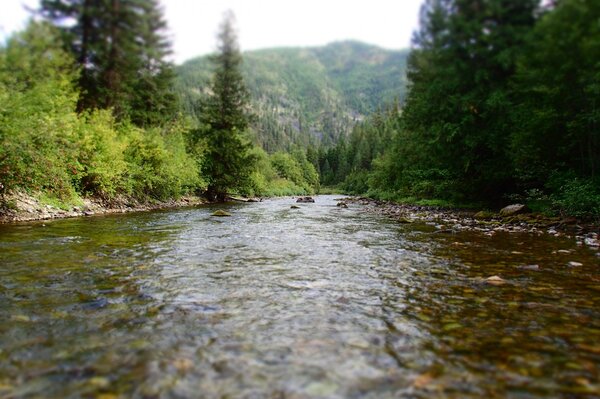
[574,196]
[103,169]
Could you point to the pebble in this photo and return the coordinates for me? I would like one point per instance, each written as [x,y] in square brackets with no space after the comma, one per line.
[575,264]
[99,382]
[530,267]
[495,280]
[465,222]
[592,242]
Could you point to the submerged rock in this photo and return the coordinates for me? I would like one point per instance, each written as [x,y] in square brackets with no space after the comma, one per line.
[515,209]
[294,207]
[342,204]
[221,212]
[495,280]
[530,267]
[305,199]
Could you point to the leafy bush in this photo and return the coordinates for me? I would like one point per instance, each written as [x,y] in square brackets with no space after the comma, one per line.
[103,169]
[38,148]
[158,166]
[302,174]
[280,175]
[356,182]
[284,187]
[574,196]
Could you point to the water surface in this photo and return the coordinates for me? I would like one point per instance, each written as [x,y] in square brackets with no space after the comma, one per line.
[292,303]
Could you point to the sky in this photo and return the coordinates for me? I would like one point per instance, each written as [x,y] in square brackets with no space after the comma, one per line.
[193,24]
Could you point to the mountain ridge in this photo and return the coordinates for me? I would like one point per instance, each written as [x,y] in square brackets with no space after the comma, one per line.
[307,95]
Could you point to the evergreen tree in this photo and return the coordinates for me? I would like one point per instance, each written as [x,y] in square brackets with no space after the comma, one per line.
[558,92]
[121,49]
[457,113]
[225,114]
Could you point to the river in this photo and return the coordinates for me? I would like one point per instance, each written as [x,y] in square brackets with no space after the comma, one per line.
[274,302]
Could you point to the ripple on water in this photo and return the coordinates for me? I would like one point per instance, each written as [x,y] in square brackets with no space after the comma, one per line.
[311,302]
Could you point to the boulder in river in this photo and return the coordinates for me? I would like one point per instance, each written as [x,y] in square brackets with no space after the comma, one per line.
[514,209]
[294,207]
[305,199]
[220,212]
[342,204]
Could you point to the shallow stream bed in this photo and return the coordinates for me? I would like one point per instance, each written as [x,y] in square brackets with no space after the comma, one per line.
[273,302]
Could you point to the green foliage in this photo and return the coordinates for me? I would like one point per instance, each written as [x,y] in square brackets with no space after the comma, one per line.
[503,104]
[224,116]
[575,196]
[101,162]
[457,110]
[121,49]
[37,121]
[557,91]
[350,161]
[158,166]
[288,168]
[295,168]
[282,174]
[45,146]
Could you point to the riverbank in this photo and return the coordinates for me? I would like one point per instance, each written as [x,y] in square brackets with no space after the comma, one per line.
[22,207]
[450,221]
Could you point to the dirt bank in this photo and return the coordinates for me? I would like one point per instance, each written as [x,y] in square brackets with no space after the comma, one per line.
[22,207]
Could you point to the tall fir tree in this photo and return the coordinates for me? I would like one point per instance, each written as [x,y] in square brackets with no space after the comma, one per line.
[557,90]
[225,115]
[122,51]
[458,111]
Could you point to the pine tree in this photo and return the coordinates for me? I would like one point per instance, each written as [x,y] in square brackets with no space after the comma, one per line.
[458,110]
[226,116]
[121,49]
[558,95]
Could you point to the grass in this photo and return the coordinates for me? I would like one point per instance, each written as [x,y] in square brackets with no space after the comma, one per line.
[64,204]
[330,190]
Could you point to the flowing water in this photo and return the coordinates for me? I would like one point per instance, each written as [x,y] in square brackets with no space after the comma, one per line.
[273,302]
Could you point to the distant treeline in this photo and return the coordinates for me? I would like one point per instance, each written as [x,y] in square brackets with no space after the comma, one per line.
[504,105]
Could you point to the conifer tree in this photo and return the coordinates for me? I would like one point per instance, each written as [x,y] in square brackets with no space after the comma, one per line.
[458,108]
[121,49]
[225,114]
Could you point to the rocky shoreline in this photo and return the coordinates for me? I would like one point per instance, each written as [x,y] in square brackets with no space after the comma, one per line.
[25,208]
[449,221]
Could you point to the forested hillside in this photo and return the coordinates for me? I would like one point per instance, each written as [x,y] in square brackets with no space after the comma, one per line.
[307,95]
[503,106]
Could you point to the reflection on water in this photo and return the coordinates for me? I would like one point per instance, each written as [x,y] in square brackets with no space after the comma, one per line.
[291,303]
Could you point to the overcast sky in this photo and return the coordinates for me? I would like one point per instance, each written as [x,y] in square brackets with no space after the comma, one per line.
[269,23]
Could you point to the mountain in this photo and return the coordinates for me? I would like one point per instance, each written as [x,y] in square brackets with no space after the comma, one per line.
[308,95]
